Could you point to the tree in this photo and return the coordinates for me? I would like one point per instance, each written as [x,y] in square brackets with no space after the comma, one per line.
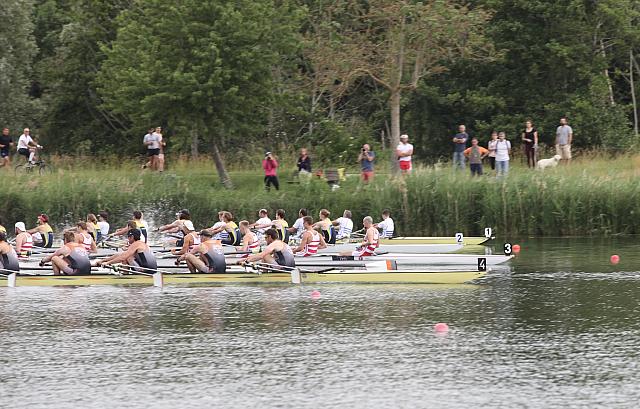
[205,64]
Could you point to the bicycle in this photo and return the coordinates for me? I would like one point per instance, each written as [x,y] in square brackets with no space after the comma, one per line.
[40,165]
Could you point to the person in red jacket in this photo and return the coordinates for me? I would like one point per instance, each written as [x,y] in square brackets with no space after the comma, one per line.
[270,166]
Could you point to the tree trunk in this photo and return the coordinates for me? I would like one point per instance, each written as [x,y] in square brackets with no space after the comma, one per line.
[606,74]
[633,94]
[222,172]
[394,105]
[194,144]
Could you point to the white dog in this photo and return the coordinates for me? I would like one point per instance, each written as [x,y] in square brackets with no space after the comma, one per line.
[548,163]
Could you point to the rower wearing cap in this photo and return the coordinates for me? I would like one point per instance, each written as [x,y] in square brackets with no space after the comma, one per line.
[386,225]
[138,255]
[43,233]
[83,237]
[191,239]
[70,259]
[92,227]
[141,224]
[281,226]
[277,252]
[24,241]
[311,240]
[345,225]
[232,229]
[263,223]
[326,227]
[8,257]
[250,241]
[370,242]
[208,257]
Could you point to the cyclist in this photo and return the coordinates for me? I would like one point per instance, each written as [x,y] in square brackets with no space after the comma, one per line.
[27,146]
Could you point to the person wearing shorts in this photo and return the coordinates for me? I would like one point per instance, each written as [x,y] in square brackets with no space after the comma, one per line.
[152,141]
[27,146]
[70,259]
[366,158]
[5,144]
[404,150]
[564,138]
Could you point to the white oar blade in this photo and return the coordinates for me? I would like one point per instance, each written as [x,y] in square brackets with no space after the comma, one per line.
[295,276]
[158,280]
[11,280]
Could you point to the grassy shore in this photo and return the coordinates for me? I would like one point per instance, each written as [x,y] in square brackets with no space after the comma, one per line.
[593,196]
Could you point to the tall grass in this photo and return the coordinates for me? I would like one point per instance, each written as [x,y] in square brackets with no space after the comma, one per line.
[593,196]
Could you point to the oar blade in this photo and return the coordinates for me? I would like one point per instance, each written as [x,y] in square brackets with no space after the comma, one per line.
[158,280]
[12,280]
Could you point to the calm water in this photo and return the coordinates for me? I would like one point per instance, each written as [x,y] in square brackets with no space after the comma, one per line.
[561,328]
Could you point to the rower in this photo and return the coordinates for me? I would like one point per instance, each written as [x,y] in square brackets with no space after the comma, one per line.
[219,228]
[2,228]
[386,225]
[311,240]
[298,227]
[70,259]
[43,233]
[92,227]
[141,224]
[83,237]
[370,242]
[210,258]
[8,257]
[24,241]
[103,223]
[345,225]
[138,254]
[263,223]
[326,227]
[234,237]
[277,252]
[281,226]
[191,239]
[250,241]
[176,226]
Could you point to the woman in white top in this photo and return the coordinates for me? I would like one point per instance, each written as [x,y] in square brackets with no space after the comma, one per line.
[503,149]
[491,147]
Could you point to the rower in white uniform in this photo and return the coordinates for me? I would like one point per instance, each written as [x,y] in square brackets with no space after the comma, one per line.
[345,225]
[24,241]
[386,225]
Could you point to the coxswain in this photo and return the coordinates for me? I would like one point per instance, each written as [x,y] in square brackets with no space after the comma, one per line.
[311,240]
[298,227]
[83,237]
[277,252]
[326,227]
[70,259]
[190,239]
[344,224]
[8,257]
[138,255]
[234,237]
[24,241]
[208,257]
[250,240]
[370,242]
[281,226]
[43,233]
[386,225]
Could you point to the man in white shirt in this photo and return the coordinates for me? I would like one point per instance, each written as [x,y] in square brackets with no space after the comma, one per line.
[298,227]
[345,225]
[386,225]
[103,225]
[564,138]
[263,223]
[404,152]
[152,141]
[27,146]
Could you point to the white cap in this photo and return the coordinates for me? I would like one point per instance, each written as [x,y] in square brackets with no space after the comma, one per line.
[188,224]
[404,136]
[20,226]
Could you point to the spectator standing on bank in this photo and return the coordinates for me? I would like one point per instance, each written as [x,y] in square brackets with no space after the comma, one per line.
[366,158]
[304,161]
[162,143]
[404,150]
[503,149]
[491,146]
[152,143]
[270,166]
[530,139]
[564,138]
[475,154]
[460,144]
[5,144]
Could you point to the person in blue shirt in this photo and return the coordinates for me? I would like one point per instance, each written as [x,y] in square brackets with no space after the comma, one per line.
[366,158]
[460,144]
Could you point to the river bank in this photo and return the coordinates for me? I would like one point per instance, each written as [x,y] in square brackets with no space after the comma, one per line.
[593,196]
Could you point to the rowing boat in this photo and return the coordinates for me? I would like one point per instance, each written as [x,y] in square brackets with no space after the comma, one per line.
[397,248]
[461,240]
[407,260]
[331,276]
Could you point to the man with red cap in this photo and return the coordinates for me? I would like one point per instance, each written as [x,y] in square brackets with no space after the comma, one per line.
[42,233]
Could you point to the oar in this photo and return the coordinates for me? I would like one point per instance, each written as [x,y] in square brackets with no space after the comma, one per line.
[11,277]
[157,276]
